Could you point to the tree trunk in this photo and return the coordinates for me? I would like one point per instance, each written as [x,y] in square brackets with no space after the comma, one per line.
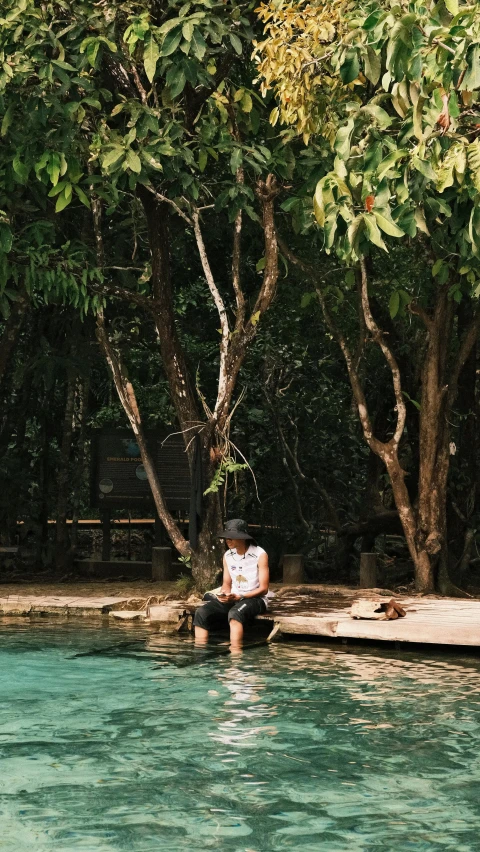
[11,332]
[206,559]
[182,394]
[63,476]
[83,393]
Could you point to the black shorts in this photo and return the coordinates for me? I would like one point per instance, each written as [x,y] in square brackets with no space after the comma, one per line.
[215,615]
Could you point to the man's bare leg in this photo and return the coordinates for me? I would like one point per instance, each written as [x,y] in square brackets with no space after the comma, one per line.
[236,634]
[201,636]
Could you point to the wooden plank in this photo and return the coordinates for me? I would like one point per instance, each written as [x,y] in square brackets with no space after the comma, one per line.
[399,630]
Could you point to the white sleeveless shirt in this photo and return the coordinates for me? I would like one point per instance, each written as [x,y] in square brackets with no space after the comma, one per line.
[243,570]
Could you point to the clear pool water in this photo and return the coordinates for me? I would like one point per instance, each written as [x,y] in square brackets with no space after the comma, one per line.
[112,739]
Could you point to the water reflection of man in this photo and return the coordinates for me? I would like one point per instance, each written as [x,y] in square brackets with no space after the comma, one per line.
[244,592]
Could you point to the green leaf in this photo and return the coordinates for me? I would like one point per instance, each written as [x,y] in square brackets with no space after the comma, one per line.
[473,153]
[65,65]
[175,80]
[318,203]
[6,237]
[471,80]
[83,198]
[418,118]
[235,160]
[114,155]
[260,264]
[63,201]
[202,160]
[20,169]
[424,167]
[350,67]
[437,266]
[53,168]
[382,118]
[56,190]
[236,43]
[133,161]
[187,30]
[386,223]
[171,42]
[373,233]
[169,25]
[246,103]
[306,299]
[389,162]
[199,45]
[373,66]
[355,231]
[413,401]
[452,6]
[7,120]
[420,221]
[343,140]
[151,53]
[394,304]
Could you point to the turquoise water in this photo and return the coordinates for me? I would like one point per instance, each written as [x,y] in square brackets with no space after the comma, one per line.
[114,739]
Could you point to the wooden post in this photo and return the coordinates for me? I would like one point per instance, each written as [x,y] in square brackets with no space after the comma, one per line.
[368,570]
[293,568]
[161,563]
[106,541]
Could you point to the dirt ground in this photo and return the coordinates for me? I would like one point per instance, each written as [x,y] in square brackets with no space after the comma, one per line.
[88,588]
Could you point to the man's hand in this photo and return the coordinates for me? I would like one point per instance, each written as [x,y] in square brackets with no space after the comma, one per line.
[227,598]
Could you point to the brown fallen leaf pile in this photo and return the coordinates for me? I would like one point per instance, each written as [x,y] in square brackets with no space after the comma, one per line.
[377,610]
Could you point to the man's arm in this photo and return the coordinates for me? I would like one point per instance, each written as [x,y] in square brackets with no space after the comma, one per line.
[227,580]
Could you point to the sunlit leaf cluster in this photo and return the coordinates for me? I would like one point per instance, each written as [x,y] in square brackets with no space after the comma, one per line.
[395,92]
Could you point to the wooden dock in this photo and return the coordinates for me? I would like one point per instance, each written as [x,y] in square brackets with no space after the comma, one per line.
[429,620]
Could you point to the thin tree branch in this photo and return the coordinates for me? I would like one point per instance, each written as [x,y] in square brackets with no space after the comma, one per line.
[219,304]
[237,233]
[138,83]
[266,191]
[463,353]
[313,480]
[160,197]
[236,257]
[379,338]
[418,311]
[375,445]
[361,327]
[123,294]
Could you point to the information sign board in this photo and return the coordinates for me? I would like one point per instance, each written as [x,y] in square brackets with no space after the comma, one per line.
[119,479]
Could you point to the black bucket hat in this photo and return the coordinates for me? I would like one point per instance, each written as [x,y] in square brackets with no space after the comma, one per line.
[235,529]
